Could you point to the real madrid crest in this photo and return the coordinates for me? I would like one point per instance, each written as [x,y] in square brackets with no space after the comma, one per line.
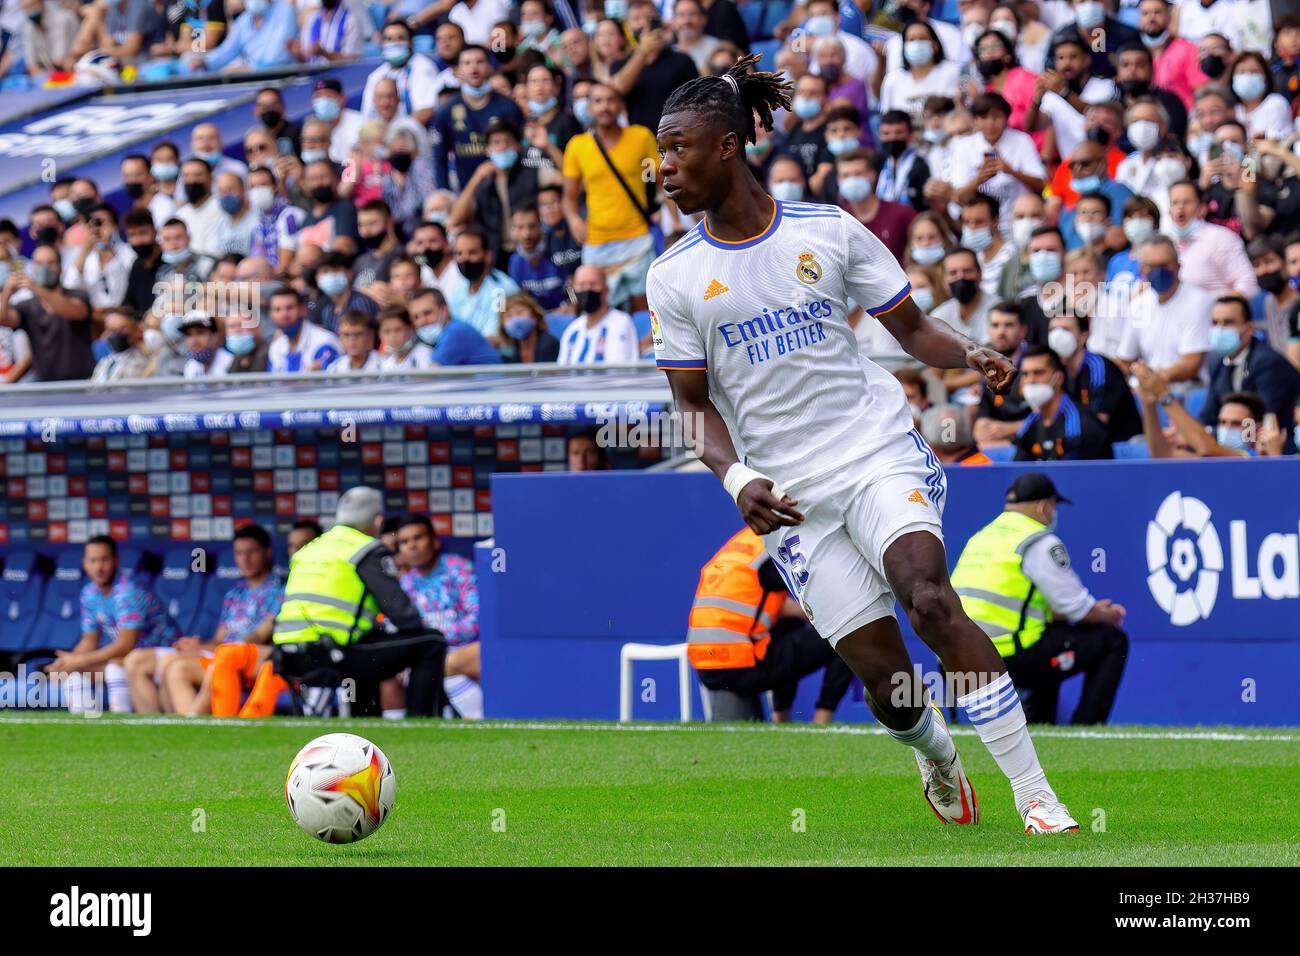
[808,270]
[807,609]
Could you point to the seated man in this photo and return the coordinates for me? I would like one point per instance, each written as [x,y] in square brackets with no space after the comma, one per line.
[1093,381]
[444,589]
[1015,582]
[1000,416]
[207,676]
[117,617]
[1244,429]
[748,636]
[1057,429]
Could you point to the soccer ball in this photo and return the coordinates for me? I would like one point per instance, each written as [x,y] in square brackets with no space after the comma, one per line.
[340,788]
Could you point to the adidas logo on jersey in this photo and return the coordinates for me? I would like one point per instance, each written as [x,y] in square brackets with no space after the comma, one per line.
[715,288]
[916,497]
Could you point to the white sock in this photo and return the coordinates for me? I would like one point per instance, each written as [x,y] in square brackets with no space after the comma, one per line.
[996,714]
[74,691]
[395,713]
[930,737]
[465,695]
[119,689]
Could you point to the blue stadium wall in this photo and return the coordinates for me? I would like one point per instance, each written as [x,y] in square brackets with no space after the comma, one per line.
[1205,557]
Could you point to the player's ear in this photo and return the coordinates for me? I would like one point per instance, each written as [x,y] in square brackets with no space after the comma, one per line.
[730,145]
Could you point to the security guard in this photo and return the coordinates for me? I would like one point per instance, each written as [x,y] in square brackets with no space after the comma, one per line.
[1015,582]
[345,615]
[748,636]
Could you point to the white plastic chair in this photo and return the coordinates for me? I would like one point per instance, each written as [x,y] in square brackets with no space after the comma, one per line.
[633,652]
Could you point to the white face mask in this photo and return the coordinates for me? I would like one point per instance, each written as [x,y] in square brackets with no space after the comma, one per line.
[1090,232]
[1022,230]
[1170,170]
[1037,394]
[1063,342]
[261,197]
[1135,230]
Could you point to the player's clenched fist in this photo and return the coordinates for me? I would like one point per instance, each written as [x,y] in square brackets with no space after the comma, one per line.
[763,511]
[998,370]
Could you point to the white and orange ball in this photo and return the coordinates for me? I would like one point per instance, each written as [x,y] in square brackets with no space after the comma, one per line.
[340,788]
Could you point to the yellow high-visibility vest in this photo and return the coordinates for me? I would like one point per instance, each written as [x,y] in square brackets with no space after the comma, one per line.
[324,596]
[994,590]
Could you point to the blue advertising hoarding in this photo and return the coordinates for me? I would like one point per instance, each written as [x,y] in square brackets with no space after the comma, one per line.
[1205,556]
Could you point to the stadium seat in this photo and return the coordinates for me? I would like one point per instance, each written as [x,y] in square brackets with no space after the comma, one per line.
[1000,453]
[653,652]
[180,588]
[21,589]
[751,14]
[1195,401]
[642,322]
[557,322]
[766,50]
[1131,450]
[58,625]
[135,562]
[222,577]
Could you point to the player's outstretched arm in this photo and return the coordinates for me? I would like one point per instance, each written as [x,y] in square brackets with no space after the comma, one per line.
[939,345]
[763,509]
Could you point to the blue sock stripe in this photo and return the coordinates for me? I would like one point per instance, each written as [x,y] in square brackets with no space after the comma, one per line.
[990,708]
[917,732]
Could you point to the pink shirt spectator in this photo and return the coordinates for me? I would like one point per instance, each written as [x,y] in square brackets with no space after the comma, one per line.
[370,181]
[854,91]
[1018,91]
[1177,70]
[1213,258]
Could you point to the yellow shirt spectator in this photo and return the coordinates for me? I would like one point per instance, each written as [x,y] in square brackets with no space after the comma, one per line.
[610,214]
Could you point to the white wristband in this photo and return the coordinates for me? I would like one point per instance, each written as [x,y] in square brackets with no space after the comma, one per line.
[739,475]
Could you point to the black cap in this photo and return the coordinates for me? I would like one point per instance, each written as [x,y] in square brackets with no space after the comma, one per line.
[499,124]
[1033,486]
[331,84]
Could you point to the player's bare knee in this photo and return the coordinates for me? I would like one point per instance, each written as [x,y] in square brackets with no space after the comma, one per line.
[139,662]
[933,611]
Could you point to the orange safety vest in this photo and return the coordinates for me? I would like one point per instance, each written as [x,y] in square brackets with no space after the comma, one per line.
[732,614]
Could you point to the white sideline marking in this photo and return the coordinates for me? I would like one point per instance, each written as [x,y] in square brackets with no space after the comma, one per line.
[851,730]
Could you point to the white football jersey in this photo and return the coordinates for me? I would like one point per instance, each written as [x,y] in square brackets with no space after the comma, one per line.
[767,317]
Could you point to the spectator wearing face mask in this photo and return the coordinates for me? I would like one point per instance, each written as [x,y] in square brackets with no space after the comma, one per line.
[48,34]
[1243,429]
[418,81]
[598,333]
[1212,257]
[238,219]
[334,280]
[260,39]
[980,234]
[843,132]
[550,126]
[1057,429]
[1064,94]
[453,342]
[1140,218]
[1240,362]
[829,61]
[1262,111]
[908,12]
[904,173]
[476,296]
[1028,213]
[925,72]
[564,251]
[806,140]
[856,173]
[998,161]
[331,223]
[276,221]
[928,239]
[1090,22]
[203,356]
[55,320]
[298,345]
[380,249]
[523,328]
[498,187]
[102,268]
[460,125]
[1275,307]
[1175,57]
[530,266]
[248,349]
[142,189]
[1089,176]
[1169,324]
[967,310]
[127,358]
[201,211]
[1002,73]
[1269,198]
[1093,381]
[402,350]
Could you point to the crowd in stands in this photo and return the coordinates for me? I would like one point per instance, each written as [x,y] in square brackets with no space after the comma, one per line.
[1107,192]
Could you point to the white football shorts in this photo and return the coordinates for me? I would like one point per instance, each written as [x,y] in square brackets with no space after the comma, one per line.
[833,563]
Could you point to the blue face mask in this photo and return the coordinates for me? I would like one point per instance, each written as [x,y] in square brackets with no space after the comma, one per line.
[1154,41]
[839,147]
[615,9]
[67,212]
[175,256]
[822,25]
[1161,279]
[855,188]
[210,158]
[429,334]
[1182,232]
[977,239]
[1249,86]
[313,155]
[326,108]
[924,299]
[291,331]
[483,89]
[788,191]
[230,204]
[1045,265]
[582,111]
[533,29]
[332,283]
[927,255]
[165,171]
[257,7]
[1230,437]
[504,159]
[805,107]
[519,327]
[240,343]
[202,356]
[1225,342]
[1085,184]
[395,54]
[542,107]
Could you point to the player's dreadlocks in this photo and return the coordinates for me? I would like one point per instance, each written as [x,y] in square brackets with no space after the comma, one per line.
[754,92]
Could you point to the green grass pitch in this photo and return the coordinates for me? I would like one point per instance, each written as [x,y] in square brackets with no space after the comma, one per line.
[124,791]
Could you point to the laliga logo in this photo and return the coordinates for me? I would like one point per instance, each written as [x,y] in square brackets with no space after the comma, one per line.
[1184,559]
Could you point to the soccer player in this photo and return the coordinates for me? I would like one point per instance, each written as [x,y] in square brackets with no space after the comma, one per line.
[749,315]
